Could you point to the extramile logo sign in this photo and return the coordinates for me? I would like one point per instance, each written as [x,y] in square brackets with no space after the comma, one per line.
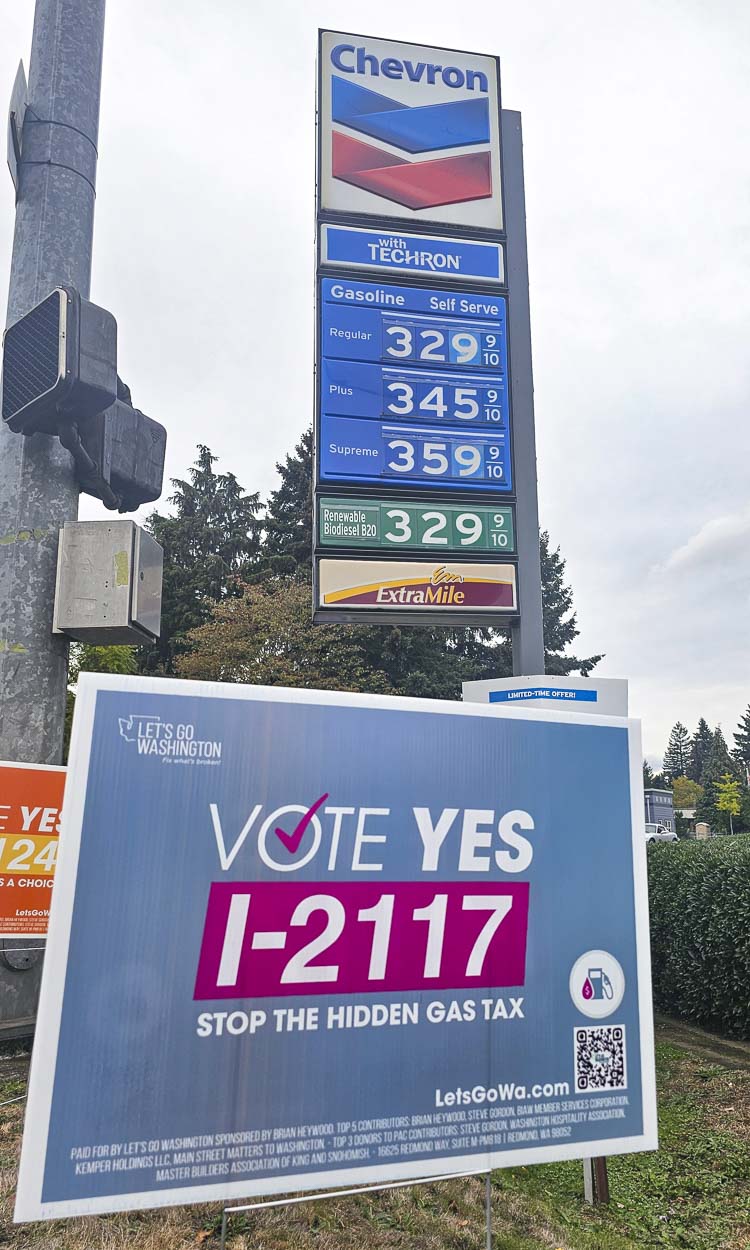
[409,131]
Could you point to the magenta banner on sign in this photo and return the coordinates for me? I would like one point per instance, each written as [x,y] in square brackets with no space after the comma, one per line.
[273,939]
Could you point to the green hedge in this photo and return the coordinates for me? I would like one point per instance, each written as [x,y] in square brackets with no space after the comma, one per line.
[699,901]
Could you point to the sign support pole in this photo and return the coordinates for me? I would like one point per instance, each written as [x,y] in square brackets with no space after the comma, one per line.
[52,245]
[38,489]
[595,1181]
[527,638]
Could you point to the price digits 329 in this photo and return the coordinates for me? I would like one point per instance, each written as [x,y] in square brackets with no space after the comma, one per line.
[433,343]
[432,527]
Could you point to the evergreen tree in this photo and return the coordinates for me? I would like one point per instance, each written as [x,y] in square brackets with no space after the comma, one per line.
[677,754]
[560,622]
[211,543]
[742,740]
[700,747]
[288,543]
[648,776]
[718,763]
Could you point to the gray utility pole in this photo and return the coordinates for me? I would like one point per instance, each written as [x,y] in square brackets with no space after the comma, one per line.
[38,489]
[527,638]
[52,245]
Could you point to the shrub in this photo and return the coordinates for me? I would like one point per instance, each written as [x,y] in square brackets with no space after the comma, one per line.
[699,900]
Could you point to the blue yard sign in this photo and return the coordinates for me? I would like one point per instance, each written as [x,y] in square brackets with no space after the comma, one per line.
[303,939]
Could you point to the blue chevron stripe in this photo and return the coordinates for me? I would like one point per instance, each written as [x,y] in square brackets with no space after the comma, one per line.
[427,128]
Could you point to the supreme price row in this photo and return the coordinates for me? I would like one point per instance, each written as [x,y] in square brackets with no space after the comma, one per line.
[360,451]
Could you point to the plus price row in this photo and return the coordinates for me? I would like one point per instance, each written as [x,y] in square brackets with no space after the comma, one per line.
[361,451]
[353,389]
[270,939]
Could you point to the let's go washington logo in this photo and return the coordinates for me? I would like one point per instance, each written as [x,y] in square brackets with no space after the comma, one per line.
[171,742]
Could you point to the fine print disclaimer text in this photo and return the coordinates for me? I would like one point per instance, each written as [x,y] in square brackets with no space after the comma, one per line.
[226,1156]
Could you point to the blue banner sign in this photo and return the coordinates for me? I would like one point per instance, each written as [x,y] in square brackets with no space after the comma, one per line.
[304,939]
[368,451]
[351,389]
[542,692]
[426,254]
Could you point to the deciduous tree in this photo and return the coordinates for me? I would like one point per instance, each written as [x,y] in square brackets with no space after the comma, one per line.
[728,797]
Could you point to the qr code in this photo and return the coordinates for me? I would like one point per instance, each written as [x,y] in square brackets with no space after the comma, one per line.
[600,1057]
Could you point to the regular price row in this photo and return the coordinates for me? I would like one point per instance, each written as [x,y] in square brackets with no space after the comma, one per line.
[363,334]
[271,939]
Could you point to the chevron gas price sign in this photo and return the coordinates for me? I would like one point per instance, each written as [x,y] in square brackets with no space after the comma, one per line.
[410,132]
[413,369]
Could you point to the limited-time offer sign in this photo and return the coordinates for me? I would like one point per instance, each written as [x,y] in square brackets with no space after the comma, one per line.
[359,973]
[413,450]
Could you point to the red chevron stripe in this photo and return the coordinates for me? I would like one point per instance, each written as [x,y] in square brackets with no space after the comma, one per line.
[415,184]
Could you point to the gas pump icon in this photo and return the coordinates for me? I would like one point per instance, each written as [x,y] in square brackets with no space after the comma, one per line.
[597,984]
[601,986]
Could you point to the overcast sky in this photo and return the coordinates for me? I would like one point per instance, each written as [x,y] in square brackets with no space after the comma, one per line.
[637,160]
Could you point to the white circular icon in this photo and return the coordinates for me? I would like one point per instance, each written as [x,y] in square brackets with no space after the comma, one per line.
[597,984]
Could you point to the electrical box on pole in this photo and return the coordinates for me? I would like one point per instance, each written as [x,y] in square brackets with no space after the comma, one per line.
[109,576]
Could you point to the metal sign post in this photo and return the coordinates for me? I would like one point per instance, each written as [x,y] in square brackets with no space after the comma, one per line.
[53,164]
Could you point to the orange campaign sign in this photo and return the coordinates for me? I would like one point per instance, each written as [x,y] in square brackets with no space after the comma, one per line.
[31,797]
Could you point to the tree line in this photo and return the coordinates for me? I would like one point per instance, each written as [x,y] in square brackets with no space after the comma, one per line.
[706,774]
[237,600]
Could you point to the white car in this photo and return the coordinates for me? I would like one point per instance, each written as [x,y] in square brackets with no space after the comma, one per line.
[659,833]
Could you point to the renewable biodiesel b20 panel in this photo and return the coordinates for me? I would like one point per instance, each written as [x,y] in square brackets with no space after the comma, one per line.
[401,523]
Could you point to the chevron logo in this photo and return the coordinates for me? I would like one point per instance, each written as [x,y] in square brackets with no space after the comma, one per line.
[419,184]
[425,128]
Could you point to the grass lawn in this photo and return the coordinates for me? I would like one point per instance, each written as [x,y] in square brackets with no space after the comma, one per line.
[694,1193]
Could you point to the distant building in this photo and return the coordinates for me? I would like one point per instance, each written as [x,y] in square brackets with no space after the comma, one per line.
[658,808]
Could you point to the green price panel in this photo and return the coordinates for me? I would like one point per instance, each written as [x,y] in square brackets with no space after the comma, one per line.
[409,524]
